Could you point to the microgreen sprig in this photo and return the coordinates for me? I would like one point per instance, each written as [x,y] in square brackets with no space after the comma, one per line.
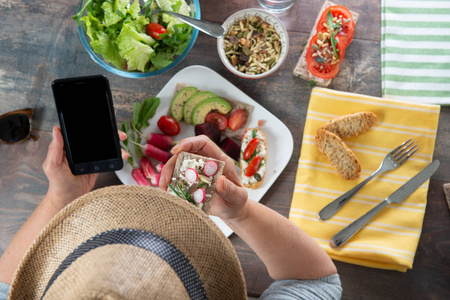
[179,192]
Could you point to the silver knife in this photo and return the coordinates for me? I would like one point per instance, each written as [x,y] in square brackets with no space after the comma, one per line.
[396,197]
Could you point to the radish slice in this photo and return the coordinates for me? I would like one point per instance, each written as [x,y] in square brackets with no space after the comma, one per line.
[210,168]
[159,167]
[191,175]
[199,195]
[155,179]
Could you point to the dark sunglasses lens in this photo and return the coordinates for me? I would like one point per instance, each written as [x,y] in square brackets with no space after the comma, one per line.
[14,128]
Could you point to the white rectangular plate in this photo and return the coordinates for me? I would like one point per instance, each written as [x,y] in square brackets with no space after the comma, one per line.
[279,139]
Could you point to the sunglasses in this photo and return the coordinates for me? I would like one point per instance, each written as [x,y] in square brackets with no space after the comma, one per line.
[15,126]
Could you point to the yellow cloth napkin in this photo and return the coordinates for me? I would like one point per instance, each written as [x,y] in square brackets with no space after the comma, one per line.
[390,240]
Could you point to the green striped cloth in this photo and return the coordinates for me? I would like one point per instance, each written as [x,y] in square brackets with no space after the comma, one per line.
[415,50]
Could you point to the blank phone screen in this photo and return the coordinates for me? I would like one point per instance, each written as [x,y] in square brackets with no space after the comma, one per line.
[86,114]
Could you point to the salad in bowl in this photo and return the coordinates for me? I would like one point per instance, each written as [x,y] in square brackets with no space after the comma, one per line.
[131,40]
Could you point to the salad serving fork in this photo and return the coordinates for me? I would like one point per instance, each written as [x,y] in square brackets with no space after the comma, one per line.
[391,161]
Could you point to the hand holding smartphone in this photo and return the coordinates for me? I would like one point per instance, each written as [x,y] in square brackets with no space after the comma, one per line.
[88,124]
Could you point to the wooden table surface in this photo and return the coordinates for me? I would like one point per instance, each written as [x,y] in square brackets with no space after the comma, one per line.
[39,43]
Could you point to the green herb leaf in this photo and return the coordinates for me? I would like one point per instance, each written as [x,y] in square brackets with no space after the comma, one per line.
[148,110]
[201,185]
[175,191]
[312,83]
[335,28]
[135,119]
[333,43]
[330,21]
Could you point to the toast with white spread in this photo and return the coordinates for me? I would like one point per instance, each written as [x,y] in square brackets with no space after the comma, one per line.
[253,158]
[194,178]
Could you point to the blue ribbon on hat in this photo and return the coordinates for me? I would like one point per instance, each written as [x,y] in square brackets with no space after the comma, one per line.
[145,240]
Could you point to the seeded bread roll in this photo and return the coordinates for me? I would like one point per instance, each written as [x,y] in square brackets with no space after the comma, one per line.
[329,141]
[351,125]
[340,156]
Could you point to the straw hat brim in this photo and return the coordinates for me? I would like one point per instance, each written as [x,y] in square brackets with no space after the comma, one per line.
[133,208]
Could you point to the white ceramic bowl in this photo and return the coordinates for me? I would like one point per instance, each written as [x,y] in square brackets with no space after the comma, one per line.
[266,17]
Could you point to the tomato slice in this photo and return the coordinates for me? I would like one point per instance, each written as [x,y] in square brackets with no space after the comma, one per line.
[347,29]
[168,125]
[250,148]
[253,166]
[155,29]
[322,67]
[217,119]
[236,119]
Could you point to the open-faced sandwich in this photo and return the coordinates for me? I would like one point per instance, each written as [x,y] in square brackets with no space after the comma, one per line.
[198,107]
[328,40]
[329,141]
[194,178]
[253,158]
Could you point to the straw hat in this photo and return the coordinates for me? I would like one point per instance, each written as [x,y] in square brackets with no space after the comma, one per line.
[130,242]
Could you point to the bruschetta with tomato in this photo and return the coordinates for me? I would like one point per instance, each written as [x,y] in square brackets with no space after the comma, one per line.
[253,158]
[325,49]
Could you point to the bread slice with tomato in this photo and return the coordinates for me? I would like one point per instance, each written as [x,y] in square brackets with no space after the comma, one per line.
[253,159]
[320,59]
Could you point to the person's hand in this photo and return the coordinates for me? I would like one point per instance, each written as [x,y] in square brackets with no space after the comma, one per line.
[230,195]
[64,187]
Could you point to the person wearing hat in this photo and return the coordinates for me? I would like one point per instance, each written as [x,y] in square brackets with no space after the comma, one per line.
[133,242]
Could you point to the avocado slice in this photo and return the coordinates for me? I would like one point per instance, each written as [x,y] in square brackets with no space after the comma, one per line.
[206,106]
[190,104]
[176,106]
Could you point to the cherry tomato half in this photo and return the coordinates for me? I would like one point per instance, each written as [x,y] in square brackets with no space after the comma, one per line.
[253,166]
[345,34]
[217,119]
[236,119]
[250,148]
[155,29]
[169,125]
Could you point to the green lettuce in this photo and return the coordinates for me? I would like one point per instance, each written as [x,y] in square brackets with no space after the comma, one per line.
[117,30]
[134,45]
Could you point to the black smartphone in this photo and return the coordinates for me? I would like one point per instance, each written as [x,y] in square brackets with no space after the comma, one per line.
[88,124]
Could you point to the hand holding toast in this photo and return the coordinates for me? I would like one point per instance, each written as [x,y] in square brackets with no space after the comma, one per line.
[230,194]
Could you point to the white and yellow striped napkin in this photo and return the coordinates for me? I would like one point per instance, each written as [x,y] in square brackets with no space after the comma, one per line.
[390,240]
[415,50]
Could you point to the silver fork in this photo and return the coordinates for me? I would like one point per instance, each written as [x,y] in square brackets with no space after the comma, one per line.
[391,161]
[212,29]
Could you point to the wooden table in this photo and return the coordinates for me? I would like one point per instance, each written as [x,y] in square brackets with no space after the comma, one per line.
[39,43]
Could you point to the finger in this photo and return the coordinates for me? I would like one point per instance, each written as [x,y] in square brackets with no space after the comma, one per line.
[166,173]
[122,135]
[125,154]
[55,152]
[230,192]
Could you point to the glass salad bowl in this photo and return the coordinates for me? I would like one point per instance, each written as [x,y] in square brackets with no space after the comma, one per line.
[118,38]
